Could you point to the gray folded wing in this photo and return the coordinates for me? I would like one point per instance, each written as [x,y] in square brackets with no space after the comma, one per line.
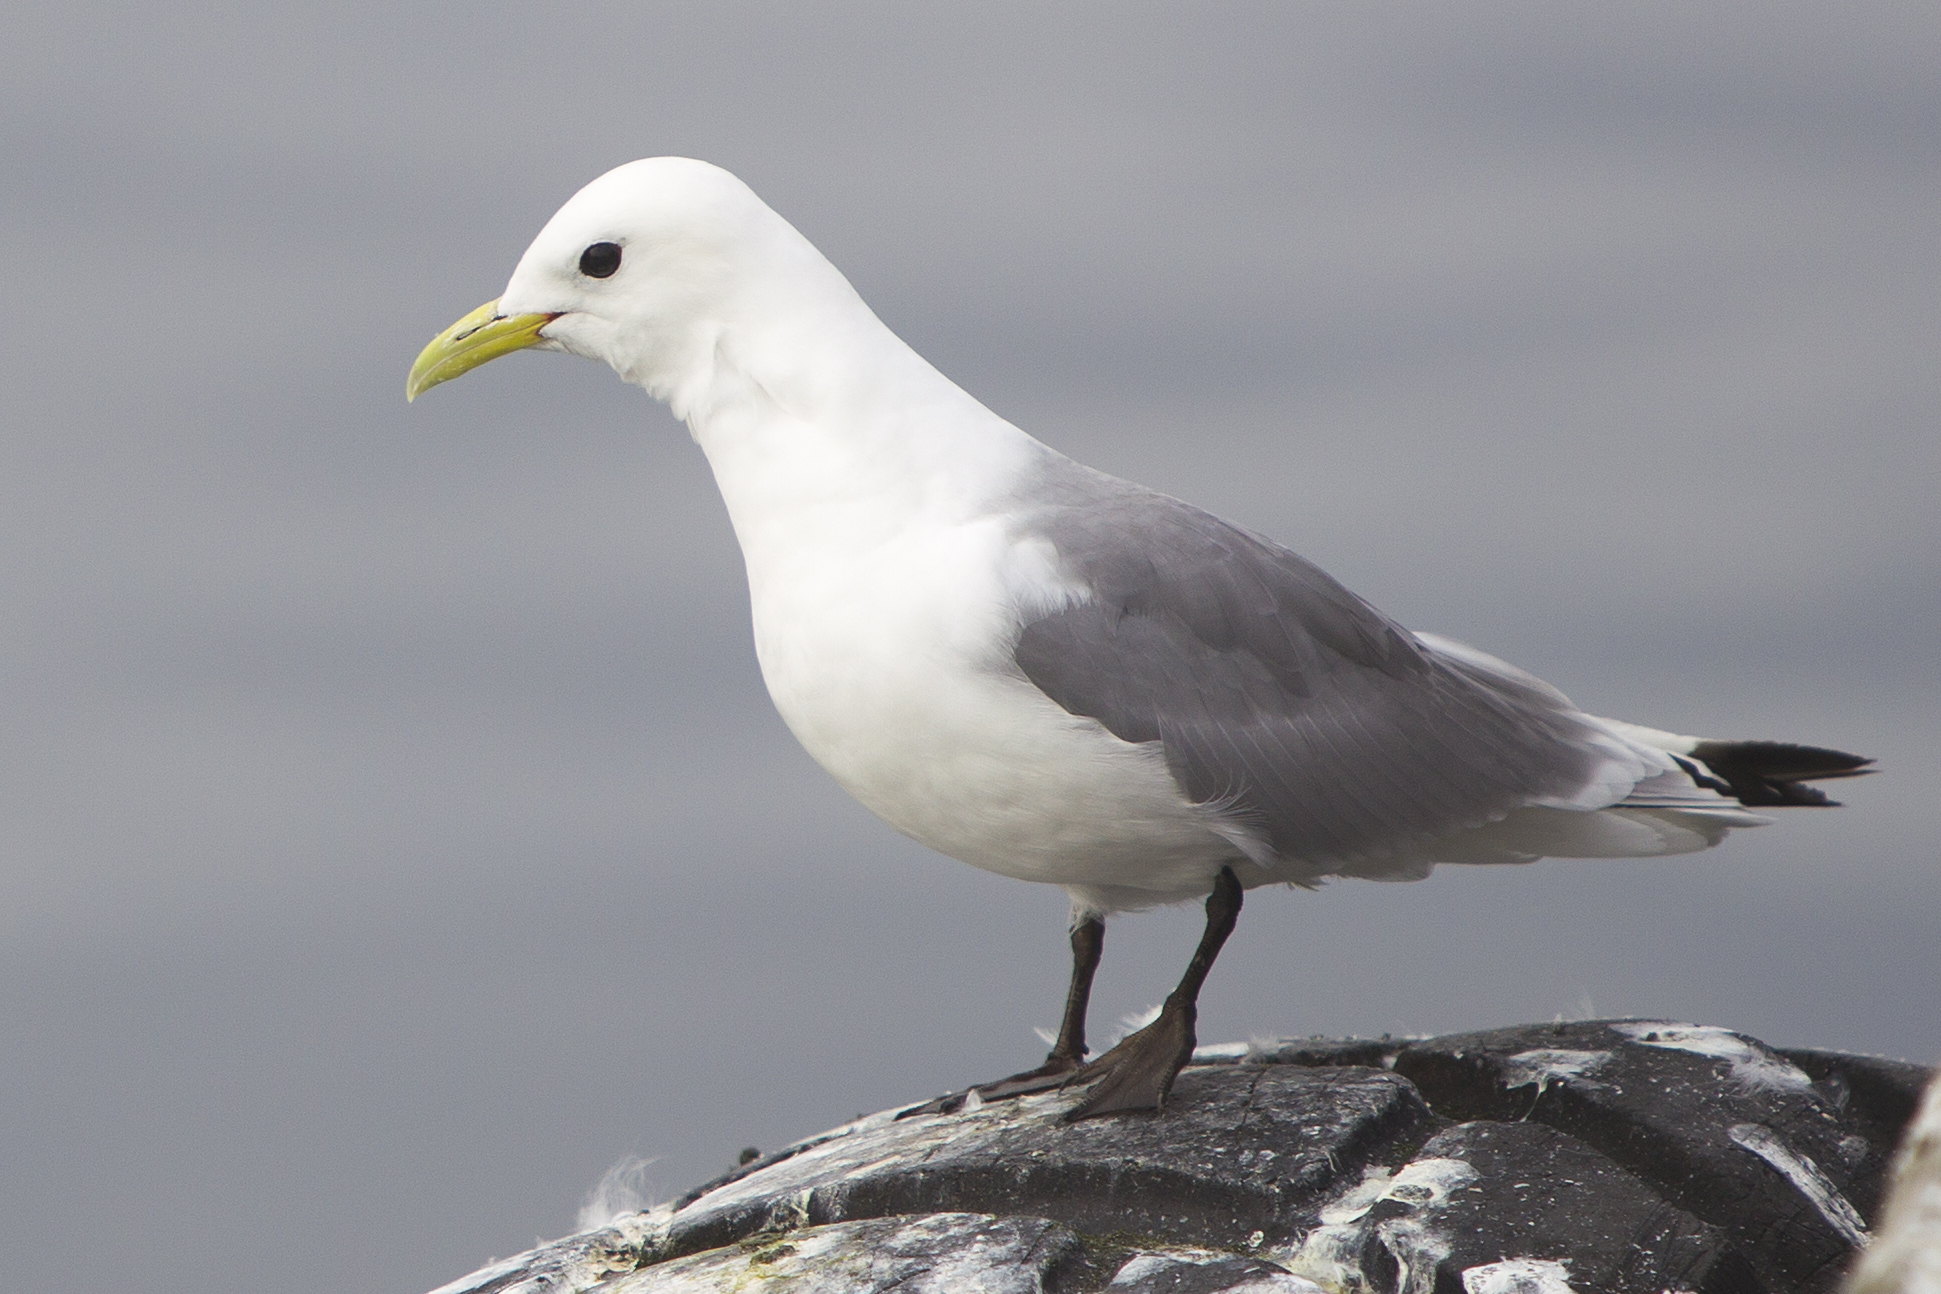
[1317,722]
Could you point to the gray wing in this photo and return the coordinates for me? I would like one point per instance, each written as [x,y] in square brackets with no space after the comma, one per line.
[1320,723]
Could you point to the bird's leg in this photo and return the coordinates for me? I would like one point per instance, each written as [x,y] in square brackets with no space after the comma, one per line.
[1068,1053]
[1138,1073]
[1088,944]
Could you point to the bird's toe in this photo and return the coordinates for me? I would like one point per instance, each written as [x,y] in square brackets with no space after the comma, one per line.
[1138,1073]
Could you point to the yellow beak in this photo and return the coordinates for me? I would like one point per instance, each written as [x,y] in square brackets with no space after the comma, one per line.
[480,336]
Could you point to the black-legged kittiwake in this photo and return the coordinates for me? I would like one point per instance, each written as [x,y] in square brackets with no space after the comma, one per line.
[1054,674]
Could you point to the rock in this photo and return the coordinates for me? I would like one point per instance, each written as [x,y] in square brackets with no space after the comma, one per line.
[1905,1257]
[1880,1095]
[579,1262]
[1377,1053]
[1244,1155]
[1206,1273]
[939,1253]
[1716,1122]
[1478,1193]
[1613,1156]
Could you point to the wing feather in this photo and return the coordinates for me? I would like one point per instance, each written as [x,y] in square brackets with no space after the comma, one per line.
[1280,696]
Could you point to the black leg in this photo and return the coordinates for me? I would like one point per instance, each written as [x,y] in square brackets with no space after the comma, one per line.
[1068,1053]
[1138,1073]
[1088,942]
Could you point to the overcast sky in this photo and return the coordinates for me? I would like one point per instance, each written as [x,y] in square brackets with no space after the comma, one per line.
[394,831]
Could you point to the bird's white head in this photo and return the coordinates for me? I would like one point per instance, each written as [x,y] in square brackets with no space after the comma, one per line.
[650,269]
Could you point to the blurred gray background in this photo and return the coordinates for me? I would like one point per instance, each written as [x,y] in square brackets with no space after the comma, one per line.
[394,831]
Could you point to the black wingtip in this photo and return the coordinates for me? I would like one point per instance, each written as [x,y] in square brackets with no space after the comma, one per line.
[1770,774]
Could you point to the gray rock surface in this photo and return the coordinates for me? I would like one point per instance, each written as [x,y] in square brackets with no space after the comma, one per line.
[1243,1154]
[1611,1156]
[1477,1189]
[1905,1256]
[1205,1273]
[1715,1122]
[937,1253]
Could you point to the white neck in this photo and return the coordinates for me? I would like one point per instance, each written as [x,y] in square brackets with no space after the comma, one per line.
[820,423]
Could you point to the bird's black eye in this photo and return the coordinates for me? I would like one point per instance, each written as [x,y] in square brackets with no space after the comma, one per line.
[600,260]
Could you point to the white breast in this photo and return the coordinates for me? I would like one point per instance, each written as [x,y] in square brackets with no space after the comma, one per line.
[892,669]
[884,628]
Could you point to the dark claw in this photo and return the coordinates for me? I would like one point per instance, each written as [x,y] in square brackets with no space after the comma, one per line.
[1052,1074]
[949,1103]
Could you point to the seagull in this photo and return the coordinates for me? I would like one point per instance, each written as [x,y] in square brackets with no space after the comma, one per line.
[1053,674]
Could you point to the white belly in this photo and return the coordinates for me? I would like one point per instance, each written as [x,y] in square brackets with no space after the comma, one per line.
[892,667]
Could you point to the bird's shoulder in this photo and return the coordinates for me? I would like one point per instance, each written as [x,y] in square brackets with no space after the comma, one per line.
[1148,560]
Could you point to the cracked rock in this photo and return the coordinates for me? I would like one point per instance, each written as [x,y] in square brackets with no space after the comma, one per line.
[1480,1194]
[1239,1149]
[941,1253]
[1206,1273]
[1716,1122]
[1610,1157]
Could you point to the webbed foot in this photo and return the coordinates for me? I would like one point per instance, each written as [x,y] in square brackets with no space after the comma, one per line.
[1139,1072]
